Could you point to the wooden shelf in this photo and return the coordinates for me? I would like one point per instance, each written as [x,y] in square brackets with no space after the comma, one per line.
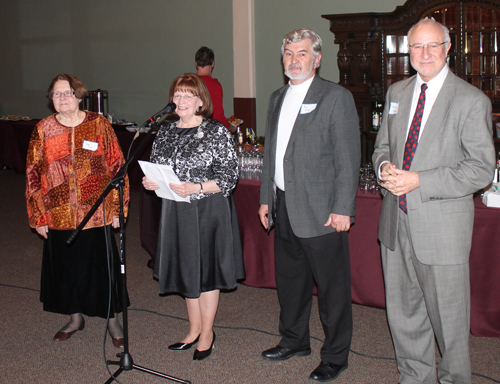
[373,51]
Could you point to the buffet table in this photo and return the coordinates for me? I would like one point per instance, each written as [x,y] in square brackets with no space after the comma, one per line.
[366,267]
[14,141]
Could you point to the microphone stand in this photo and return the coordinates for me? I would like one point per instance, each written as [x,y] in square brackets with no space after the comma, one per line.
[126,362]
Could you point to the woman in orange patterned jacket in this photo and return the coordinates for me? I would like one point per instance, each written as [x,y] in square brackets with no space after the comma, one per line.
[72,156]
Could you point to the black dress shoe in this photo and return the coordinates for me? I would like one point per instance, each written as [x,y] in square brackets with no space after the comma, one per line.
[183,346]
[327,372]
[202,355]
[279,353]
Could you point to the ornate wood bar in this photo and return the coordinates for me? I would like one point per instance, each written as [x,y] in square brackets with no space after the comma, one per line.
[373,52]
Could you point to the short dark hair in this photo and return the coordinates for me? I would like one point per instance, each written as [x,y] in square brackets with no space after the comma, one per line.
[75,84]
[192,83]
[204,57]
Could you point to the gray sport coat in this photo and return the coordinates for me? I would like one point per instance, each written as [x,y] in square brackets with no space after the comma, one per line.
[455,157]
[321,163]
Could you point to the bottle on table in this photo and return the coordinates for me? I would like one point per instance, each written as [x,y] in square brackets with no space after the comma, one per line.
[496,178]
[250,136]
[376,118]
[240,140]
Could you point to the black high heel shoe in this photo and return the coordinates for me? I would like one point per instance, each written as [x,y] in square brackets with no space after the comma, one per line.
[183,346]
[201,355]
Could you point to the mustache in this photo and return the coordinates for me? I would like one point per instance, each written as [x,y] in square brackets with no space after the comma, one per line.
[294,66]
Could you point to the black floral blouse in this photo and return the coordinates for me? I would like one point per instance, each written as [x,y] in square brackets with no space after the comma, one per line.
[198,154]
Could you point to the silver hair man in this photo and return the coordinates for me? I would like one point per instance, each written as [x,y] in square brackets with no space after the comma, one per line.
[300,34]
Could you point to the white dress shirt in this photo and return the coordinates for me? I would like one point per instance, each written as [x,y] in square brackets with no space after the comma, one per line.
[431,93]
[289,110]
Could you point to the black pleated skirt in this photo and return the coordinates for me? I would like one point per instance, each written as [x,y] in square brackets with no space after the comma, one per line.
[199,247]
[75,277]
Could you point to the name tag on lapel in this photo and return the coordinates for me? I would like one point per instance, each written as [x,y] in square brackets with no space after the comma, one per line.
[307,108]
[90,145]
[394,108]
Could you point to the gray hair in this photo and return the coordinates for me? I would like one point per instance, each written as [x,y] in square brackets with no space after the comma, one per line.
[446,31]
[298,35]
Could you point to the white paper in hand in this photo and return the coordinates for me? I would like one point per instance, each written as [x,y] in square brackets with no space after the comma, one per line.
[163,175]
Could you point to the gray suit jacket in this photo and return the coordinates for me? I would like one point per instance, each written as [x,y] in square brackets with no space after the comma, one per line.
[455,157]
[321,163]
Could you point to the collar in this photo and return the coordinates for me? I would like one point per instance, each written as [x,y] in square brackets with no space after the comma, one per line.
[436,81]
[302,86]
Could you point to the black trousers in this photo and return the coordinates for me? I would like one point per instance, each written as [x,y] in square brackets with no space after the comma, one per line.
[300,260]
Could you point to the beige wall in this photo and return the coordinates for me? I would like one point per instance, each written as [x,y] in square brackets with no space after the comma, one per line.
[135,49]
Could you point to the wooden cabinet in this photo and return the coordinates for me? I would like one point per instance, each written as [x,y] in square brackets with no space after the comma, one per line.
[373,51]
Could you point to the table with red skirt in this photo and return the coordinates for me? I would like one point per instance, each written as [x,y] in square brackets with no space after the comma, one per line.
[366,265]
[14,141]
[258,246]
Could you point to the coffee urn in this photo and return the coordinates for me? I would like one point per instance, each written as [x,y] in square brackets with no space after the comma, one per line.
[97,101]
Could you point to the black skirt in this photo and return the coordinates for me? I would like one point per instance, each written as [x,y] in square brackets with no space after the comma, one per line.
[199,247]
[75,277]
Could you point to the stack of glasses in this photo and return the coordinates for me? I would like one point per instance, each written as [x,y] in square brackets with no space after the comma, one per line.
[250,163]
[368,179]
[250,157]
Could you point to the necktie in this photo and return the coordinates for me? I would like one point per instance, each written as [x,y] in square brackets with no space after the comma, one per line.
[412,140]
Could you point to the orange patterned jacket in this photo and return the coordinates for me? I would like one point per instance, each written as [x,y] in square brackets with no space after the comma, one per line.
[67,169]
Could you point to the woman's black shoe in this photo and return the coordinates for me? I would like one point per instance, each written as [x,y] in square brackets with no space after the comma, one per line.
[183,346]
[201,355]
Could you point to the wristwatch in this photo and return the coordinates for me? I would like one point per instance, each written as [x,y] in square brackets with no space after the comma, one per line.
[201,187]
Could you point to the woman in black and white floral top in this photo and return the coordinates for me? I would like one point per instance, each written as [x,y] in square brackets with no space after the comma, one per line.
[206,154]
[199,250]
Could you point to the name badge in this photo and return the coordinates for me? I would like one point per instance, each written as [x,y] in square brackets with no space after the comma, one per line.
[307,108]
[90,145]
[393,109]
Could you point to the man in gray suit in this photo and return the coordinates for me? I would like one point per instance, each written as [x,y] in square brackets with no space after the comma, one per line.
[427,215]
[309,183]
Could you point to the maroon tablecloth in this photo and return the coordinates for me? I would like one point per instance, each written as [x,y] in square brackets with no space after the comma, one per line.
[367,282]
[134,170]
[367,279]
[14,141]
[366,266]
[485,271]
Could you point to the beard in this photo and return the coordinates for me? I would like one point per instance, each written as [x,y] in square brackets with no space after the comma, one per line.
[300,76]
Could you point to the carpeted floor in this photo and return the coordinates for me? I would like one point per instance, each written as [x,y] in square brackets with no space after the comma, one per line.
[246,324]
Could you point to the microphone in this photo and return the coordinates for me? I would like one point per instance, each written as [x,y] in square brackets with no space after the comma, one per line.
[169,108]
